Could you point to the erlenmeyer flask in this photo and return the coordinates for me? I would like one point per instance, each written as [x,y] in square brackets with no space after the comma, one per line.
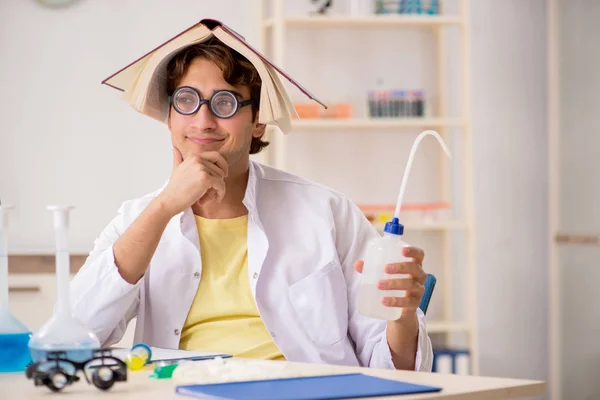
[63,331]
[14,335]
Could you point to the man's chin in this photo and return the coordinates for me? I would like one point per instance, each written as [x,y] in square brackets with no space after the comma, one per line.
[197,149]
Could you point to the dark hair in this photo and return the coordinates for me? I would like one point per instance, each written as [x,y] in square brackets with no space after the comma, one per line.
[237,71]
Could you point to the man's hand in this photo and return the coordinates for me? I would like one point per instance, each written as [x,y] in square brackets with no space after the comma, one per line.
[413,283]
[198,178]
[402,334]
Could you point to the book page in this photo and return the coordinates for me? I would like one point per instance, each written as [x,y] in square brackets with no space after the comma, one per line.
[147,93]
[276,110]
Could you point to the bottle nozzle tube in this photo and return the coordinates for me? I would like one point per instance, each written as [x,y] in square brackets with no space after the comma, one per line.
[410,161]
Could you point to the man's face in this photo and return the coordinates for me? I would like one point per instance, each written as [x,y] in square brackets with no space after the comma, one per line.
[203,131]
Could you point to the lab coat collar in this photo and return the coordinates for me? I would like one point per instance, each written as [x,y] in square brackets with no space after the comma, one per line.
[251,189]
[250,195]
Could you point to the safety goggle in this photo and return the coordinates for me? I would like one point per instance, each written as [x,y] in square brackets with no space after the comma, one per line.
[223,104]
[57,371]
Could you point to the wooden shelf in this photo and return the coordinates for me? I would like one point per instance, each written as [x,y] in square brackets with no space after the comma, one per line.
[375,123]
[430,226]
[373,21]
[436,226]
[446,326]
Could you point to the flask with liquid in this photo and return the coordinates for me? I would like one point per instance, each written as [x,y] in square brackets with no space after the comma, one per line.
[14,335]
[387,249]
[63,331]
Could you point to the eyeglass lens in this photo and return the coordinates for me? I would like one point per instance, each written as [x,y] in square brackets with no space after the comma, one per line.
[187,101]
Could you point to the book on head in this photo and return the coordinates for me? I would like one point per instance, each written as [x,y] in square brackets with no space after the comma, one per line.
[143,82]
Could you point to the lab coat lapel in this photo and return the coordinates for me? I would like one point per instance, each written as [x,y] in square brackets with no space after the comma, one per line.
[189,228]
[258,244]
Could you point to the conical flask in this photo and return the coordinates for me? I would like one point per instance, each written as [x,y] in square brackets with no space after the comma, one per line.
[14,335]
[63,331]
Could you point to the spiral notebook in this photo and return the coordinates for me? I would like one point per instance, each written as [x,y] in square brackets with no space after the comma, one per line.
[306,388]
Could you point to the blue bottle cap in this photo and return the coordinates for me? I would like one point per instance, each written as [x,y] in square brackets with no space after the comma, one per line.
[394,227]
[144,346]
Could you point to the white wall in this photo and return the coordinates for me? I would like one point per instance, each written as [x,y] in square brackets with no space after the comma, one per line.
[56,60]
[65,138]
[579,84]
[510,141]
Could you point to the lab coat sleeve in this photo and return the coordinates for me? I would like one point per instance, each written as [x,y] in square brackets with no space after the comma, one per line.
[382,356]
[353,231]
[100,297]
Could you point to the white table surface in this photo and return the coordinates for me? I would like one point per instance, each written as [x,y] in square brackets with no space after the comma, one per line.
[140,386]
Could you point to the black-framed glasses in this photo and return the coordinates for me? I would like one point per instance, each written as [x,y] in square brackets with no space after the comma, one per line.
[57,371]
[186,100]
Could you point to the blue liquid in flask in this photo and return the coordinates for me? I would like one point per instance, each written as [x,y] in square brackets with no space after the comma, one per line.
[14,335]
[14,353]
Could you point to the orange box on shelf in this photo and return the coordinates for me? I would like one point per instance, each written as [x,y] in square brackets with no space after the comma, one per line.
[338,111]
[306,110]
[381,213]
[405,206]
[334,111]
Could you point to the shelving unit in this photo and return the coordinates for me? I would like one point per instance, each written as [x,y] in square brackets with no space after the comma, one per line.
[274,26]
[444,327]
[372,123]
[436,226]
[375,21]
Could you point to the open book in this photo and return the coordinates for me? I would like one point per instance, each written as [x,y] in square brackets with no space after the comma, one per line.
[143,82]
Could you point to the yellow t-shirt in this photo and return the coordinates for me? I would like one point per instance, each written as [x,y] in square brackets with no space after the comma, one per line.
[223,317]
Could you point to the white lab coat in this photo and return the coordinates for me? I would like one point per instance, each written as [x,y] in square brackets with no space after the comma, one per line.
[303,240]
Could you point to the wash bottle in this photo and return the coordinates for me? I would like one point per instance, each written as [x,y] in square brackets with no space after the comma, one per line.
[387,249]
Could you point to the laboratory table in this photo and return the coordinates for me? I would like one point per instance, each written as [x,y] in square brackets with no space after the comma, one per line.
[140,386]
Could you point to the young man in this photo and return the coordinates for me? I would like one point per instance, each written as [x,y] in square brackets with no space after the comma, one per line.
[236,257]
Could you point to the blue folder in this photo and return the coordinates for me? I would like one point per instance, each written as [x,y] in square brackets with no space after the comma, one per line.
[305,388]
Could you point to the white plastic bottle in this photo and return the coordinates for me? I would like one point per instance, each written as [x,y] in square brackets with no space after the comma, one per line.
[380,252]
[387,250]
